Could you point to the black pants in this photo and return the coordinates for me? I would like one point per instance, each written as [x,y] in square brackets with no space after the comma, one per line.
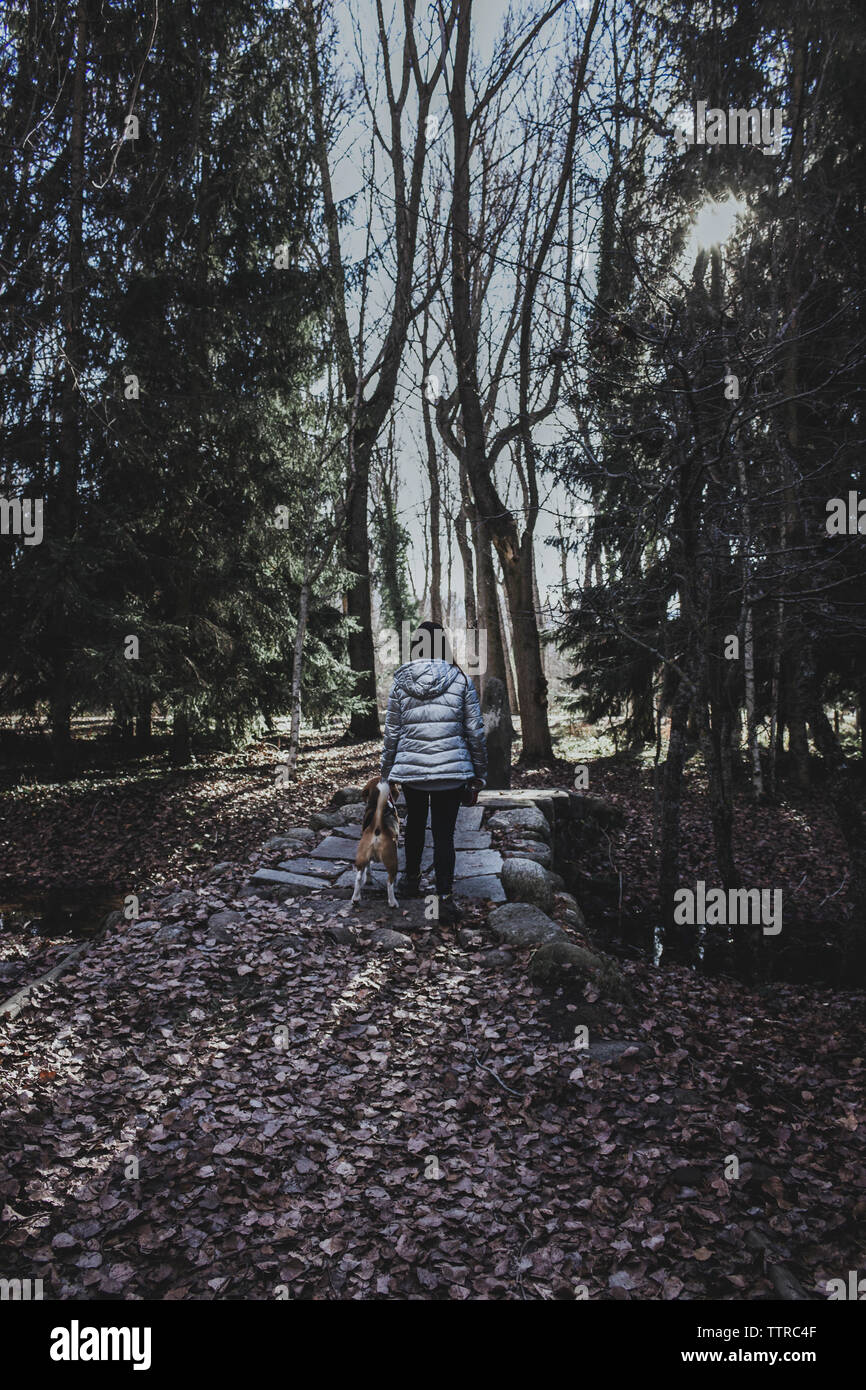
[443,818]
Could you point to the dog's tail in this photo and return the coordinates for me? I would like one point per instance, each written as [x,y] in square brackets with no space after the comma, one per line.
[379,814]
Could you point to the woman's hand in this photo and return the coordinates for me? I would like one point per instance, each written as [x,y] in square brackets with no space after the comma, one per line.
[470,795]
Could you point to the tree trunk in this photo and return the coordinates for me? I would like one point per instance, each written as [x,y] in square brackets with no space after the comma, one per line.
[61,730]
[435,516]
[679,941]
[793,531]
[68,452]
[464,545]
[715,740]
[776,723]
[364,723]
[297,671]
[488,606]
[798,739]
[845,797]
[181,739]
[500,735]
[123,725]
[751,722]
[721,810]
[536,605]
[144,721]
[508,645]
[536,743]
[749,633]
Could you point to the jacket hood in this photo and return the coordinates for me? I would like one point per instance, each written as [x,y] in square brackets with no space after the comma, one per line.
[426,679]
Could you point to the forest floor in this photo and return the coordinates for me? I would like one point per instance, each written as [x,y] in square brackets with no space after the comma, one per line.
[248,1109]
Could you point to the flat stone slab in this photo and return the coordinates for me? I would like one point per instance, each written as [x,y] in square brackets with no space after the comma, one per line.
[335,847]
[304,883]
[463,839]
[293,839]
[378,879]
[479,886]
[520,796]
[467,864]
[325,869]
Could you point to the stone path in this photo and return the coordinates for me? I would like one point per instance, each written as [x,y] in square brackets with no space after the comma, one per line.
[330,864]
[528,907]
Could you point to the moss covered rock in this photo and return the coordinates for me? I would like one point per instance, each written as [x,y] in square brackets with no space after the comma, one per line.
[562,965]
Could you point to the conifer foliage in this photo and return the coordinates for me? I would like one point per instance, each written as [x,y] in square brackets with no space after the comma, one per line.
[162,355]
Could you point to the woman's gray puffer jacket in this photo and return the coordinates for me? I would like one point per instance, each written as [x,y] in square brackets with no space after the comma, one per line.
[433,728]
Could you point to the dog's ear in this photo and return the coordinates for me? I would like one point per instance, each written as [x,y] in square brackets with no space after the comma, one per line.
[371,786]
[395,790]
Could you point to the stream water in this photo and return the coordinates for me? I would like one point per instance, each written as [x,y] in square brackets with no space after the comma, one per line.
[807,952]
[69,913]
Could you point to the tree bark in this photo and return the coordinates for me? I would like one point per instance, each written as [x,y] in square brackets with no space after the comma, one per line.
[751,721]
[181,739]
[297,671]
[464,545]
[144,721]
[793,531]
[536,743]
[749,634]
[508,651]
[798,739]
[847,803]
[68,452]
[776,722]
[488,606]
[679,941]
[712,744]
[435,515]
[364,722]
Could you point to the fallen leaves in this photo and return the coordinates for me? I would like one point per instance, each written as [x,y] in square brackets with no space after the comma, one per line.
[351,1124]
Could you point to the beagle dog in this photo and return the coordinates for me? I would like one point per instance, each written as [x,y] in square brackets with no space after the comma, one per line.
[380,836]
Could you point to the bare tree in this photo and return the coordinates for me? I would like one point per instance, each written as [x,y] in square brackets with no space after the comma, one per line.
[369,386]
[476,228]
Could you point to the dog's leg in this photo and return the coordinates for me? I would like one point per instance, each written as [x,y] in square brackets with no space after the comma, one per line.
[388,857]
[367,874]
[359,878]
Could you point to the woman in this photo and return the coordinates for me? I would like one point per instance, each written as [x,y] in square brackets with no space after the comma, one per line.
[434,746]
